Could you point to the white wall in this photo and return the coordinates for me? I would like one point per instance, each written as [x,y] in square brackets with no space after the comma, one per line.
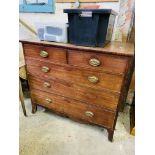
[58,16]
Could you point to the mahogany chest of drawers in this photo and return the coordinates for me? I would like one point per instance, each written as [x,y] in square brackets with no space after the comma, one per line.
[82,83]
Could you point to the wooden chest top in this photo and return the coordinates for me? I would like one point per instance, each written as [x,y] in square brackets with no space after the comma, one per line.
[117,48]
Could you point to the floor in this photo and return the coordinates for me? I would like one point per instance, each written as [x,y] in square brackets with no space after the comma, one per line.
[45,133]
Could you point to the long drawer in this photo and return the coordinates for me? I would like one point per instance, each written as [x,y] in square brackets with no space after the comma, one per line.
[90,96]
[73,108]
[98,61]
[97,80]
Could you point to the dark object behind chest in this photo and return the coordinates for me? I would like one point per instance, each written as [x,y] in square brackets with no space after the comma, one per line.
[90,27]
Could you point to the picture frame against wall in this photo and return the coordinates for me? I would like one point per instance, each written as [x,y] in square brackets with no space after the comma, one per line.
[46,6]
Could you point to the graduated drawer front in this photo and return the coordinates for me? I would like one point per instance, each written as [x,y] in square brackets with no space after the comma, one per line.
[73,108]
[44,53]
[98,98]
[47,100]
[98,61]
[89,113]
[76,75]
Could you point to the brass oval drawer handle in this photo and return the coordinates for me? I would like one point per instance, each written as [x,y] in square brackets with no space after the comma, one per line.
[89,113]
[94,62]
[45,69]
[43,54]
[93,79]
[48,100]
[47,85]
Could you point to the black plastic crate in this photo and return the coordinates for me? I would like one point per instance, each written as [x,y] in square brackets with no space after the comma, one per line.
[90,27]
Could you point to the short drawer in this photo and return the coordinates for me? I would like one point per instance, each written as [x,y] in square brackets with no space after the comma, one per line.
[84,94]
[98,61]
[89,113]
[48,54]
[47,100]
[96,80]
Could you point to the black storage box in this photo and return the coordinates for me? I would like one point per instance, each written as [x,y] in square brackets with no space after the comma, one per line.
[90,27]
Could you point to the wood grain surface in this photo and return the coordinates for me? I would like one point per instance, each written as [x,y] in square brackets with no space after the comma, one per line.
[39,97]
[74,108]
[90,96]
[113,64]
[75,75]
[117,48]
[55,55]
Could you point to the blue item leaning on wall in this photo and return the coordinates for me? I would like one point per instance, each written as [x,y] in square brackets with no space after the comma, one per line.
[37,6]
